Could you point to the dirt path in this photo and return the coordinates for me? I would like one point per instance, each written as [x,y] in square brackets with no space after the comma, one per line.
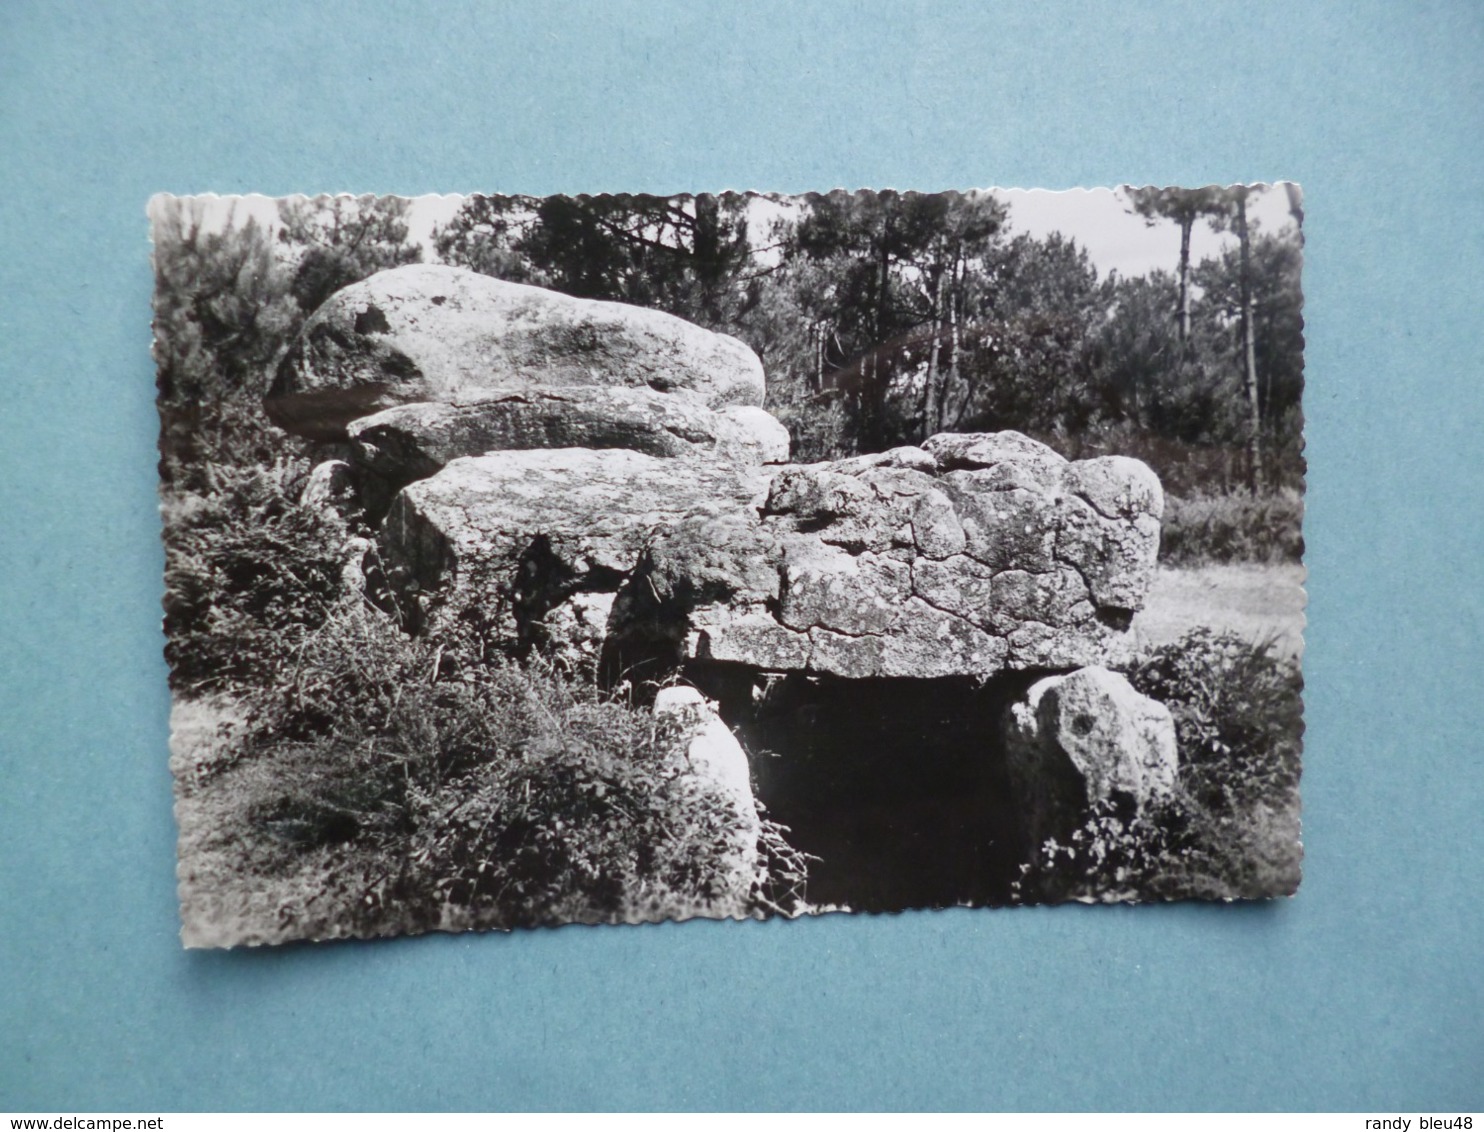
[1255,601]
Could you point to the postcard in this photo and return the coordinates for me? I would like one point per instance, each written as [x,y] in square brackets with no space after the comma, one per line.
[620,558]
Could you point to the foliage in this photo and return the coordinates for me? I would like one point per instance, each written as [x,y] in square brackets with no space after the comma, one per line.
[248,571]
[894,280]
[1278,338]
[1151,381]
[1233,526]
[597,818]
[340,240]
[222,305]
[384,785]
[683,255]
[1176,850]
[483,235]
[818,431]
[1238,712]
[1230,830]
[1030,360]
[1183,206]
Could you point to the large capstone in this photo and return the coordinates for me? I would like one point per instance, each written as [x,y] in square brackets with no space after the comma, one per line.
[429,332]
[999,555]
[513,535]
[968,556]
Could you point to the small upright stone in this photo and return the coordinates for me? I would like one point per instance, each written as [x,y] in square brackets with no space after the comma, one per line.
[331,486]
[1083,738]
[720,764]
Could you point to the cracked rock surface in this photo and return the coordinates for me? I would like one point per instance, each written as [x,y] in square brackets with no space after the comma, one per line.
[969,556]
[518,533]
[428,332]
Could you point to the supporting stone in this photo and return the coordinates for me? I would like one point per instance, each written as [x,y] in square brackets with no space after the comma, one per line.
[719,764]
[1083,738]
[514,534]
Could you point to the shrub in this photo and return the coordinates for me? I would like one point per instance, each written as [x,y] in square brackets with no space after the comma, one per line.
[1232,527]
[601,820]
[388,783]
[819,427]
[1239,716]
[1231,828]
[202,440]
[248,571]
[1115,854]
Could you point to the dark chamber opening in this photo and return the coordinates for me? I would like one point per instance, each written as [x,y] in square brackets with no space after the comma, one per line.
[897,786]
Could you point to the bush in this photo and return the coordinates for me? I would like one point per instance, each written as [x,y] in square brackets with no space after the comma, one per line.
[600,820]
[819,429]
[1232,527]
[248,571]
[386,783]
[1178,850]
[1239,716]
[1231,828]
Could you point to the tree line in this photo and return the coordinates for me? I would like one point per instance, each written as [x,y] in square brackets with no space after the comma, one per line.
[881,318]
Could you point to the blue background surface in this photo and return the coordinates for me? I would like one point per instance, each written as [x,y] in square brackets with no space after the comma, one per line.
[1365,992]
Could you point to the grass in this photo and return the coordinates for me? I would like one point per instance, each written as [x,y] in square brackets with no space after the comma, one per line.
[248,572]
[1257,601]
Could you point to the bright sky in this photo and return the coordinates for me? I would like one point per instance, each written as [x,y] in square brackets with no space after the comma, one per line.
[1098,219]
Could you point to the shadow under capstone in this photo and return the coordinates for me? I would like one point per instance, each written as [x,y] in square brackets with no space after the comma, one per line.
[897,786]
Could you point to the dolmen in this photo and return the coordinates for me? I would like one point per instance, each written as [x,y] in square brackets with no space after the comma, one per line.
[595,479]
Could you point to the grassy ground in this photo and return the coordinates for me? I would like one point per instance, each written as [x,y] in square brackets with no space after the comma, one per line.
[237,886]
[1232,526]
[1256,601]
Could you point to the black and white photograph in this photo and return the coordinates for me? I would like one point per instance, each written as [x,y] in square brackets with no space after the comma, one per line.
[605,559]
